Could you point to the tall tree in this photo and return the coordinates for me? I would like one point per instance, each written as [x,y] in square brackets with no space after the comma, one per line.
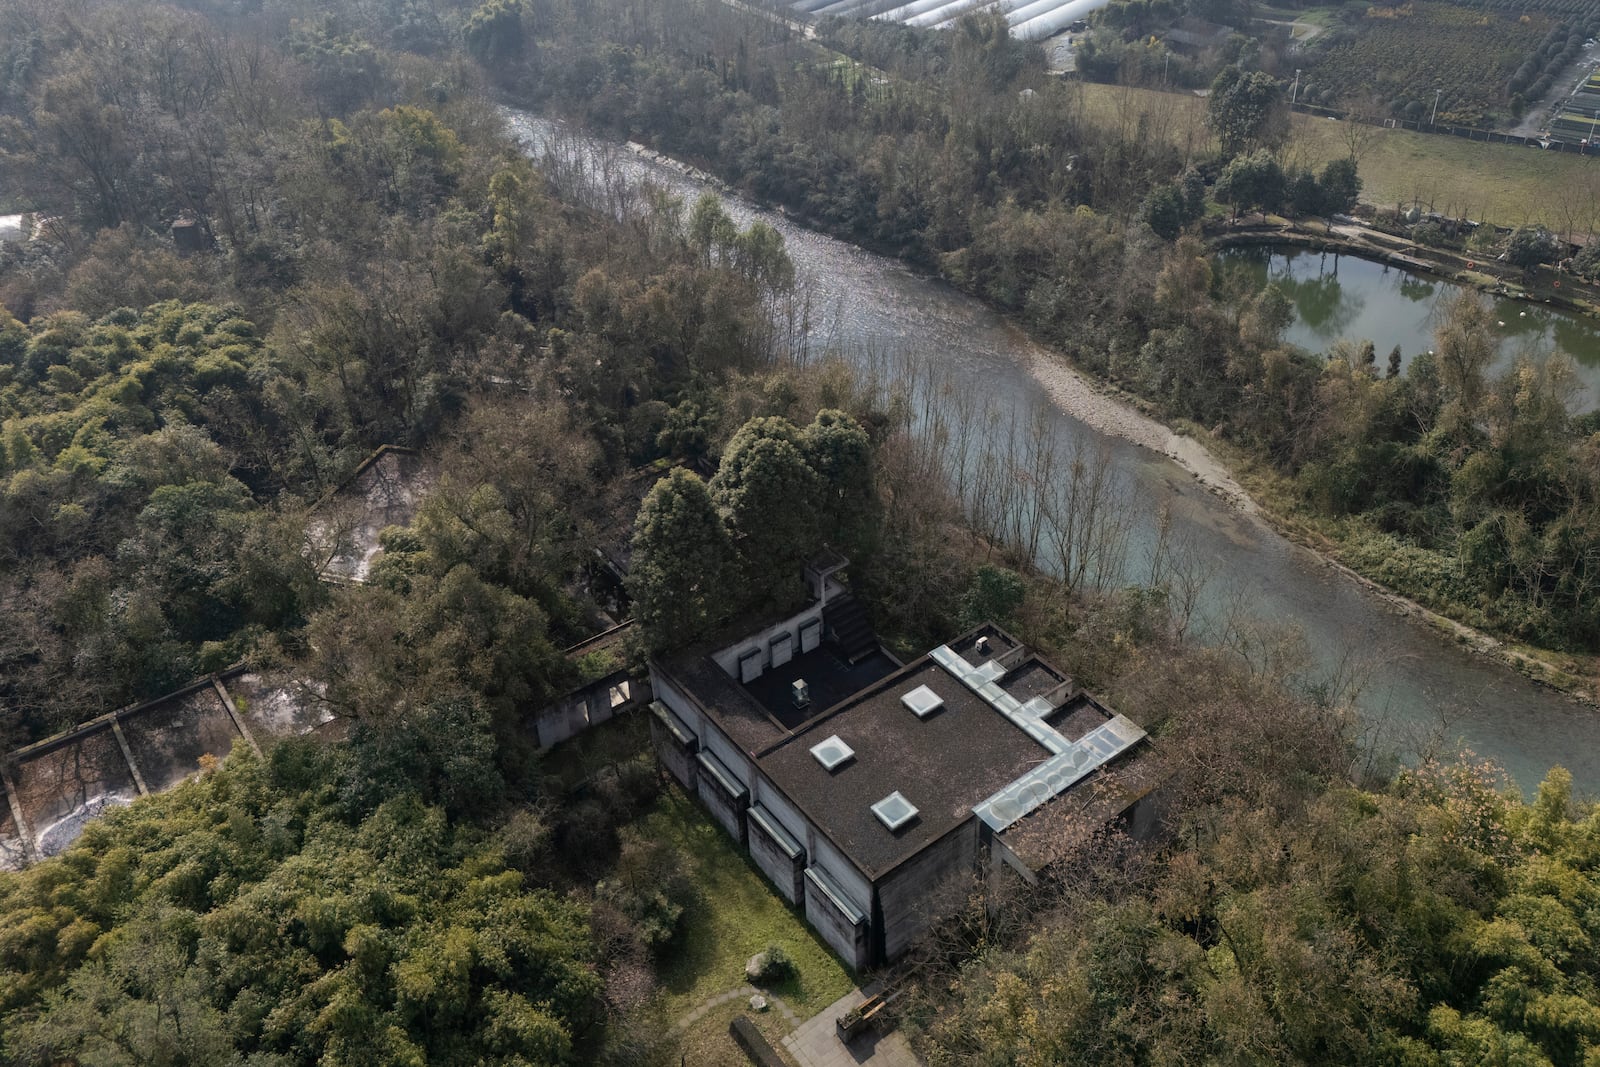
[770,496]
[680,577]
[1245,110]
[839,451]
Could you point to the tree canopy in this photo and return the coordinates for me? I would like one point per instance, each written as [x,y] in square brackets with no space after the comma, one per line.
[250,918]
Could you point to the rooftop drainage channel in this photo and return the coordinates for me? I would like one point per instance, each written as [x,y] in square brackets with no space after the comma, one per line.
[1072,760]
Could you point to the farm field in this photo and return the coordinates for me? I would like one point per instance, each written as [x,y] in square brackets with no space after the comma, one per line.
[1504,184]
[1398,56]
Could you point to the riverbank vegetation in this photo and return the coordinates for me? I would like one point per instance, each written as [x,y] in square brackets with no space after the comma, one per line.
[972,163]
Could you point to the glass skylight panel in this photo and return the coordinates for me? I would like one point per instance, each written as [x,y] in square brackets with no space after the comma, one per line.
[923,701]
[832,753]
[894,810]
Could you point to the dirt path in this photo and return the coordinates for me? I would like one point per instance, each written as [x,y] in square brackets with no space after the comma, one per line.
[741,992]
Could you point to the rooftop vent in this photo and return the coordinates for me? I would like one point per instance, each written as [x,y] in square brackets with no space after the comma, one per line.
[833,753]
[894,810]
[983,646]
[923,701]
[800,692]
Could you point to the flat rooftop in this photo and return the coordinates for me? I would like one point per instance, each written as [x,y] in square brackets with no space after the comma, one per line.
[943,764]
[742,717]
[829,677]
[1066,826]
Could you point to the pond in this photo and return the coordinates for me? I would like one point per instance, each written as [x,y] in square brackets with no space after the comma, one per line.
[1340,296]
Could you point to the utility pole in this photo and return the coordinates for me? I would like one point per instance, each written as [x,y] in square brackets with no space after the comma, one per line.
[1295,95]
[1435,115]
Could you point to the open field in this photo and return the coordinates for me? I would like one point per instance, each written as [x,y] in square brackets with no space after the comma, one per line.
[1504,184]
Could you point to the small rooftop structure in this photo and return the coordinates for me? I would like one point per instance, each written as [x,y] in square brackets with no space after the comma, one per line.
[832,753]
[894,811]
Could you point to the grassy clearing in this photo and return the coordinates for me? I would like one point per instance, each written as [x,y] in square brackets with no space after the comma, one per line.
[739,915]
[1505,184]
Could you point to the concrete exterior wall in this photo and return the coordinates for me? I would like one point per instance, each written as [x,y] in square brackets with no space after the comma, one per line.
[728,810]
[595,703]
[852,884]
[769,796]
[712,739]
[786,871]
[904,894]
[1001,856]
[1143,820]
[728,658]
[669,694]
[674,756]
[849,938]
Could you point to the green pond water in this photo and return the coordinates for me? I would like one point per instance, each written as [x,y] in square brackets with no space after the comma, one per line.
[1338,297]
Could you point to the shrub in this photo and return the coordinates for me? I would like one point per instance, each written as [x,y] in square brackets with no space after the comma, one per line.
[776,965]
[651,886]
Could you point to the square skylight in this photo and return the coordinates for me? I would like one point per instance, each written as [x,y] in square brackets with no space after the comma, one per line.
[833,753]
[923,701]
[894,810]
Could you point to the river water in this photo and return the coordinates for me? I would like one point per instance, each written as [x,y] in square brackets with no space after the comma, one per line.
[1345,297]
[1416,682]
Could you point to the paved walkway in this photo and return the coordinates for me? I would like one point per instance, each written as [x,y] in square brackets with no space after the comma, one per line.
[816,1044]
[743,992]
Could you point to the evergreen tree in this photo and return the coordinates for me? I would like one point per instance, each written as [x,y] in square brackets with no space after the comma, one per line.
[770,496]
[839,451]
[680,574]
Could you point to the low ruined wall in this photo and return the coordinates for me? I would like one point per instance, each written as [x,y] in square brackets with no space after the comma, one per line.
[52,788]
[598,702]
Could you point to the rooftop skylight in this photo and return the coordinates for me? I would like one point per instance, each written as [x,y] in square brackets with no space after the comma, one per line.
[894,810]
[832,753]
[923,701]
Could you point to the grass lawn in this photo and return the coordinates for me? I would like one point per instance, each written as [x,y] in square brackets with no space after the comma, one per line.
[708,1044]
[738,916]
[1505,184]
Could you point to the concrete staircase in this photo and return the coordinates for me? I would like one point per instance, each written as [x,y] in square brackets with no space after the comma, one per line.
[846,625]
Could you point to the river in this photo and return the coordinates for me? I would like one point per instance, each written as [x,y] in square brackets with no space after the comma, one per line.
[1416,681]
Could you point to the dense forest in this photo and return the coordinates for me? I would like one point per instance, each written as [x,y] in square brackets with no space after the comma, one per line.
[367,258]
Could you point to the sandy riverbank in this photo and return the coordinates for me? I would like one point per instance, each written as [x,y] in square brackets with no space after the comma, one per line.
[1095,406]
[1100,407]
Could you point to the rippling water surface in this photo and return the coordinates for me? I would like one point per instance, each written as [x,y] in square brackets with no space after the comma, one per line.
[1415,681]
